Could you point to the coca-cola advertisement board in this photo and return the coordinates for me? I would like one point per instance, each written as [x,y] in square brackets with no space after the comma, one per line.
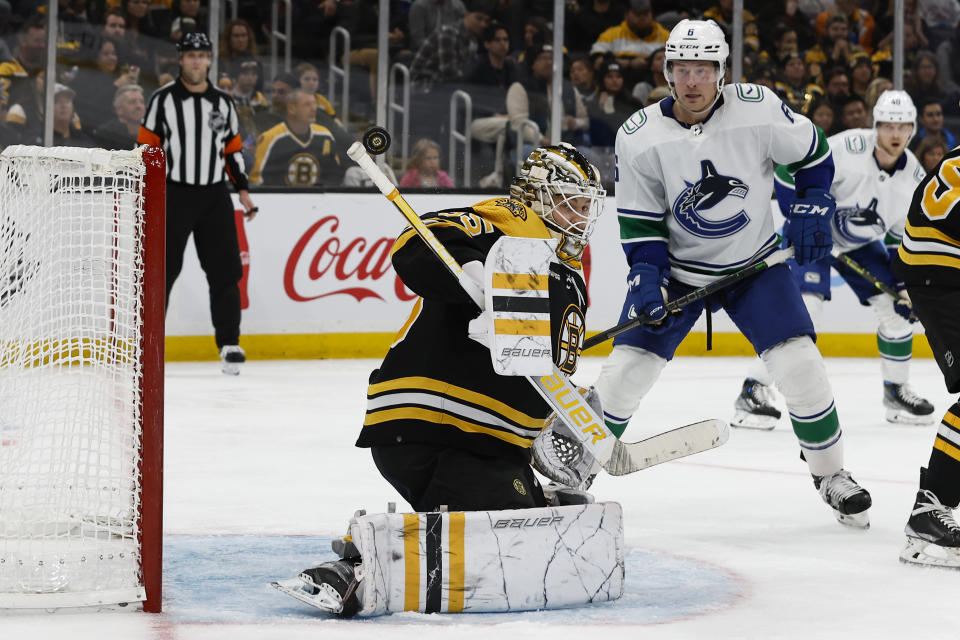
[320,264]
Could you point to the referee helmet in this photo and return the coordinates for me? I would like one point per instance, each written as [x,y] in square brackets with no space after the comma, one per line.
[194,41]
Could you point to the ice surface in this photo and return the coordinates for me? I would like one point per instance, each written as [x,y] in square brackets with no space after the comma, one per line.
[732,543]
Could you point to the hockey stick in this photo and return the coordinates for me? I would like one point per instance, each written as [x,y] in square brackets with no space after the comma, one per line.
[616,457]
[697,294]
[862,271]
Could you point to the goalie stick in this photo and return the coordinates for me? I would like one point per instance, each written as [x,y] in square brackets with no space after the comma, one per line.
[616,457]
[697,294]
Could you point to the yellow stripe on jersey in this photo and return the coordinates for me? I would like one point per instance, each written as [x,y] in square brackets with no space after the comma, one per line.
[419,383]
[512,217]
[526,281]
[410,232]
[951,420]
[927,259]
[456,561]
[414,314]
[942,445]
[439,417]
[411,562]
[930,234]
[521,327]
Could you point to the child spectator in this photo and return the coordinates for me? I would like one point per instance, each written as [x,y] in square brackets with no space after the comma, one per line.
[423,168]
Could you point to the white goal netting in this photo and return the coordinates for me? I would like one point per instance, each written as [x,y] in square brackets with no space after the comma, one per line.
[71,272]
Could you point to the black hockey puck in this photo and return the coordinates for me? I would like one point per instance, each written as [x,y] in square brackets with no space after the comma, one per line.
[376,140]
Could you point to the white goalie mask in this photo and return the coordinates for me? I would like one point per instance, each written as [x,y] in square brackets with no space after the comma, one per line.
[696,40]
[554,181]
[895,106]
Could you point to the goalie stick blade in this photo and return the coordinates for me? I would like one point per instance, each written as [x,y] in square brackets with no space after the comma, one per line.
[629,457]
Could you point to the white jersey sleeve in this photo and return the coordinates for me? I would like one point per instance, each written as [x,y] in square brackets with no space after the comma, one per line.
[641,197]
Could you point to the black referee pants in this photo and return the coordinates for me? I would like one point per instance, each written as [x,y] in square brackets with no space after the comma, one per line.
[207,213]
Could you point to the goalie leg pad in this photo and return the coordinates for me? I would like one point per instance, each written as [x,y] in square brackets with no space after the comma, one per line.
[627,375]
[801,376]
[484,561]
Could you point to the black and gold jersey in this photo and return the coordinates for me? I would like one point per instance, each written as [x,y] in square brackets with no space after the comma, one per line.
[437,385]
[930,251]
[283,159]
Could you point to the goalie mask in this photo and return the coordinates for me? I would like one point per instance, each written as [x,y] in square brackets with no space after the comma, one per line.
[564,189]
[696,41]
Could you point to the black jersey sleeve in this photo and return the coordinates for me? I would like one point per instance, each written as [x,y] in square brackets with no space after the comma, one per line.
[465,234]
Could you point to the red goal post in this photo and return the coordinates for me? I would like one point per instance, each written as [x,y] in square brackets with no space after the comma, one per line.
[82,293]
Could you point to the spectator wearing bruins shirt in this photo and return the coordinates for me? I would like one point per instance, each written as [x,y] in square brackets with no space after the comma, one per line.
[298,152]
[442,426]
[928,262]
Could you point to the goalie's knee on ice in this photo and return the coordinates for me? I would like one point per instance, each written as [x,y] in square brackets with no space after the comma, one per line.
[453,562]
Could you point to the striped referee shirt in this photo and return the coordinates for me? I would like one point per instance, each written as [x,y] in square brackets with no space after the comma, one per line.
[199,132]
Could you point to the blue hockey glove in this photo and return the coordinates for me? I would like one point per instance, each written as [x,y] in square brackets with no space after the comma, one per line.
[645,294]
[904,308]
[809,229]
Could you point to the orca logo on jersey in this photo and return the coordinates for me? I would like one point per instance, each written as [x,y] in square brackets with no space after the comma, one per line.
[858,224]
[708,194]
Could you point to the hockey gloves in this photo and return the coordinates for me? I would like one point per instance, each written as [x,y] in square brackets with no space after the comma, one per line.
[904,307]
[647,295]
[809,225]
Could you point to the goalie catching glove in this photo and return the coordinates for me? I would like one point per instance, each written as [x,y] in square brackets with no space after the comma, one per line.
[558,454]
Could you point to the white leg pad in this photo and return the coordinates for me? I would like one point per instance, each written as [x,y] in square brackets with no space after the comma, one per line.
[482,561]
[801,377]
[627,375]
[892,327]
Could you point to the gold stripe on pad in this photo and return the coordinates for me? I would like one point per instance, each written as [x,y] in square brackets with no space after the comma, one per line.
[947,448]
[456,562]
[411,560]
[520,281]
[521,327]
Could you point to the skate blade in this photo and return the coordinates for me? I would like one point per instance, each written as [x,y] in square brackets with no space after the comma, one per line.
[326,599]
[231,368]
[745,420]
[854,520]
[928,554]
[897,416]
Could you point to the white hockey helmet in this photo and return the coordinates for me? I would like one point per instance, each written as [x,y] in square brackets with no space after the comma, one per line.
[895,106]
[549,179]
[696,40]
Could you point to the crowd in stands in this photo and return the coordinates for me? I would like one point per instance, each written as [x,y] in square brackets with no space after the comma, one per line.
[828,59]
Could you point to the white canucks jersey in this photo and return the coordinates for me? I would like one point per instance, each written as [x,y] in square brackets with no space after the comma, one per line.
[705,190]
[872,203]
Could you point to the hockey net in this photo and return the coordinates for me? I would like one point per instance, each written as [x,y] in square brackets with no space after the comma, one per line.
[81,376]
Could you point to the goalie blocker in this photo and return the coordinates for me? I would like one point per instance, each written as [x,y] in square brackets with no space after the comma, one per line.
[472,562]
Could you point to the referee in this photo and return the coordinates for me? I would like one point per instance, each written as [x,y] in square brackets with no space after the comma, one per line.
[197,126]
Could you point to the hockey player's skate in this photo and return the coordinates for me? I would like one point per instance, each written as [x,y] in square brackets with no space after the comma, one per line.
[232,356]
[904,406]
[933,536]
[848,500]
[332,587]
[754,407]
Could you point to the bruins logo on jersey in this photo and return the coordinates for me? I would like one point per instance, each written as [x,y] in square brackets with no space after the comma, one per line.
[303,170]
[513,207]
[570,339]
